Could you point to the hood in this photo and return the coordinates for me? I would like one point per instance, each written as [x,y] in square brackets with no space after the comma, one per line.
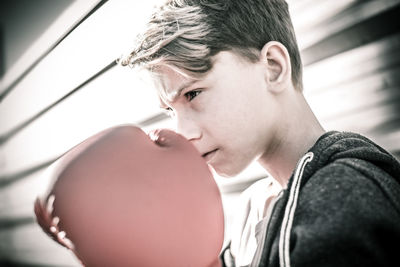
[342,146]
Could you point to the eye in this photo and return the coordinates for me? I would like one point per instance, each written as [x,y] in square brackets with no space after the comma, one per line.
[192,94]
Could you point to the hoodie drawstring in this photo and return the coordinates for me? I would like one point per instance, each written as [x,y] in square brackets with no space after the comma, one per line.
[284,240]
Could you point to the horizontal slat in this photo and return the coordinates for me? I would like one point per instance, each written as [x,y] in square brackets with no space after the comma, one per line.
[94,44]
[6,180]
[390,140]
[374,90]
[352,65]
[8,224]
[117,97]
[10,134]
[379,26]
[334,17]
[29,244]
[9,88]
[16,201]
[365,120]
[306,22]
[56,32]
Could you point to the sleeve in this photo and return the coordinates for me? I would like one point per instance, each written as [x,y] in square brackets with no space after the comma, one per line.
[344,218]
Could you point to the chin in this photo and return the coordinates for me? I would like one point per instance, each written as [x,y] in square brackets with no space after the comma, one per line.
[226,172]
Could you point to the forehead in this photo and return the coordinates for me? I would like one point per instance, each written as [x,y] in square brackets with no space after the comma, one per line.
[170,81]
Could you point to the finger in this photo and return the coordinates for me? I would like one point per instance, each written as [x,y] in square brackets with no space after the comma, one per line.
[40,213]
[50,202]
[55,221]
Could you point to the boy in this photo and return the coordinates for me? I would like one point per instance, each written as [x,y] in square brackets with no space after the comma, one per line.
[229,73]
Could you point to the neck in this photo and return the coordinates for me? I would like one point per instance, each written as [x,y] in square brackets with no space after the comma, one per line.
[298,132]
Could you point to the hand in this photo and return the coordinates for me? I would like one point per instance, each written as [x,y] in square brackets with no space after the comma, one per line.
[49,224]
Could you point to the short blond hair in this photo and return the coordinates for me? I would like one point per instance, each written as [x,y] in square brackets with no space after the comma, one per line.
[186,34]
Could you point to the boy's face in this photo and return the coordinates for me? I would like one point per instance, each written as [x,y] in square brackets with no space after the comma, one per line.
[229,115]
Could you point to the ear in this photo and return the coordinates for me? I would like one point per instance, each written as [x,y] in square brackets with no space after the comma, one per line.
[278,67]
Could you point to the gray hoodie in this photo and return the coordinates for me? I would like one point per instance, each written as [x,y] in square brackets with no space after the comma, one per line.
[341,208]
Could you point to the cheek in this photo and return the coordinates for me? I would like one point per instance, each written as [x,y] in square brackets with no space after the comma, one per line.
[241,135]
[231,118]
[226,121]
[221,123]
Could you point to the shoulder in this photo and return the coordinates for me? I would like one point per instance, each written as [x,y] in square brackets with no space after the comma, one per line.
[341,210]
[350,185]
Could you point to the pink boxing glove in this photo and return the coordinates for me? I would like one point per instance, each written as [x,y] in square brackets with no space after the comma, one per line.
[122,199]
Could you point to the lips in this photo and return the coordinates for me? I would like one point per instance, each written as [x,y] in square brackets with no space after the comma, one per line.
[209,155]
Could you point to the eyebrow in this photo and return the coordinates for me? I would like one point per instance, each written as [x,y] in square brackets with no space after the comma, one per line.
[183,87]
[178,92]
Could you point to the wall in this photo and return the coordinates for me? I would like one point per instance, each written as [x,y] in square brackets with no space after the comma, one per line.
[66,87]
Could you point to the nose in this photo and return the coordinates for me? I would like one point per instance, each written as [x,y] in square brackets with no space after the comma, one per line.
[187,126]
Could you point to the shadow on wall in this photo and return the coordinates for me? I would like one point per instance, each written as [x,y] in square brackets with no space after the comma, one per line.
[19,30]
